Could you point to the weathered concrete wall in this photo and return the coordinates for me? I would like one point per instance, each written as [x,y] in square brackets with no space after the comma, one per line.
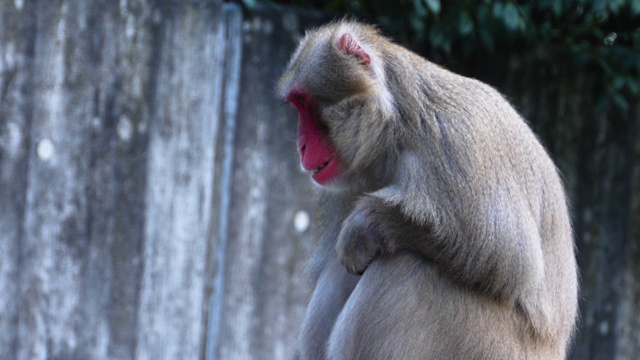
[263,201]
[109,114]
[149,183]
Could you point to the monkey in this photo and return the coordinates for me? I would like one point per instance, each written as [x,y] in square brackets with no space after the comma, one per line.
[441,227]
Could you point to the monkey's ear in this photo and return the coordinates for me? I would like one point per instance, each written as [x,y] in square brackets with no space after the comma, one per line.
[349,46]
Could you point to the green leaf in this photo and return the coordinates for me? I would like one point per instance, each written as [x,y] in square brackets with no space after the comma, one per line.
[421,11]
[511,17]
[487,40]
[482,13]
[599,5]
[436,38]
[618,82]
[634,86]
[434,6]
[465,24]
[557,8]
[601,104]
[497,10]
[615,5]
[635,7]
[249,4]
[598,33]
[621,102]
[447,47]
[417,25]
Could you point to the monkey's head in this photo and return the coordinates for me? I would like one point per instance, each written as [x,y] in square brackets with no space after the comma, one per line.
[336,81]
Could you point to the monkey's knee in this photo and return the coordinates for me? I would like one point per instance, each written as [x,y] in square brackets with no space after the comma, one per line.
[385,316]
[405,308]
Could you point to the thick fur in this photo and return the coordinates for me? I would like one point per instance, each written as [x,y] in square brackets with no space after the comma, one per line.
[448,206]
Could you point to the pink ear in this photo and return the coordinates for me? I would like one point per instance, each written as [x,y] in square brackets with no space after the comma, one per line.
[350,46]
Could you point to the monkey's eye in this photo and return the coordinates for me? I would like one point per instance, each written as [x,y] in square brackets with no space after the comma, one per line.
[300,99]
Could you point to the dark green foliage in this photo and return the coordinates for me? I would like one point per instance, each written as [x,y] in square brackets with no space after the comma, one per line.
[601,36]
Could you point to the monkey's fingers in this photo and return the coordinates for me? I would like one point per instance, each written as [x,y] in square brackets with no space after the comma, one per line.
[359,242]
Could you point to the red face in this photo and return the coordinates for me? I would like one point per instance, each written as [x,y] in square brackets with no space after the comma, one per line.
[317,152]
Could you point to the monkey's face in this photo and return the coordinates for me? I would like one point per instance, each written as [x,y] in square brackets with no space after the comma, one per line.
[332,83]
[318,154]
[339,145]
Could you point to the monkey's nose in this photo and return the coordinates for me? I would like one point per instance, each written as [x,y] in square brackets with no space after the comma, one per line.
[303,148]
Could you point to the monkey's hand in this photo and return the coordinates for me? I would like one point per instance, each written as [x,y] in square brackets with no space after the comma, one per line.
[361,238]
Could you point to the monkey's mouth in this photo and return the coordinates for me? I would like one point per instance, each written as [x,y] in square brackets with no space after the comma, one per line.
[326,172]
[319,168]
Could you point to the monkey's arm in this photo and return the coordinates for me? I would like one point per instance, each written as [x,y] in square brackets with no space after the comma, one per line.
[505,263]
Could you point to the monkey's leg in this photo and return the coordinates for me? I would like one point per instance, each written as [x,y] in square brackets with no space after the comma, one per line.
[404,308]
[330,294]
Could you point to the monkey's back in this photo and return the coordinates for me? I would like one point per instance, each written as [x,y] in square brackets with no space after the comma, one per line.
[484,173]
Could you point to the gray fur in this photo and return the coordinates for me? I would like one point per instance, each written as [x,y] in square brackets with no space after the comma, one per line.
[448,206]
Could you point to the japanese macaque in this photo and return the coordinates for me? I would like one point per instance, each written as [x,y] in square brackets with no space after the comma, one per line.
[442,229]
